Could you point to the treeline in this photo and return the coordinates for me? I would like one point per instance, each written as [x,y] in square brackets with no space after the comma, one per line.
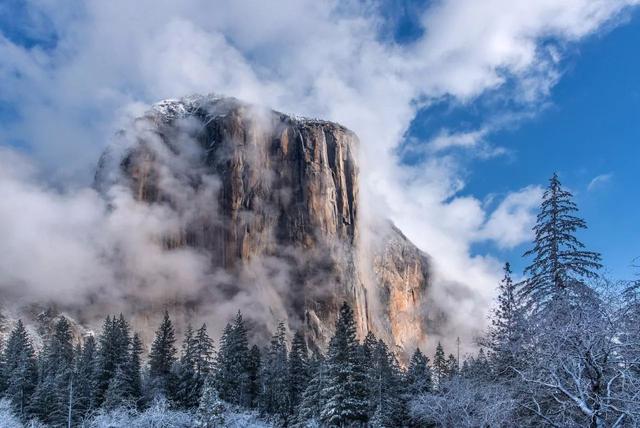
[563,350]
[355,383]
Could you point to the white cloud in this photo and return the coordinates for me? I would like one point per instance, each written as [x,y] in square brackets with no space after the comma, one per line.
[473,142]
[511,222]
[322,59]
[447,139]
[599,181]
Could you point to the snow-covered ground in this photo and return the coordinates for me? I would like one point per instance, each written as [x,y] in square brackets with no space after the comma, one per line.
[156,416]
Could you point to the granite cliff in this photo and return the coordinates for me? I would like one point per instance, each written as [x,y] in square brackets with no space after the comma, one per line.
[255,186]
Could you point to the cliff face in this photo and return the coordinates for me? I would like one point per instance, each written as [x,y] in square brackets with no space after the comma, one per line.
[253,185]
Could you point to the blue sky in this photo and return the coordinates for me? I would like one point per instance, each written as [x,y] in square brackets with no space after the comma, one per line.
[463,109]
[589,127]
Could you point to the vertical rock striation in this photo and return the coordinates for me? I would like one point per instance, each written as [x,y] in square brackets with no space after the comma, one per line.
[254,185]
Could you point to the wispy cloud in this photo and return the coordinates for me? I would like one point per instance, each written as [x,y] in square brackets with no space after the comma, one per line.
[472,142]
[319,59]
[447,139]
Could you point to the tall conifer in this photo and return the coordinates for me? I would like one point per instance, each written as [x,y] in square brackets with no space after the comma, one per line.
[560,262]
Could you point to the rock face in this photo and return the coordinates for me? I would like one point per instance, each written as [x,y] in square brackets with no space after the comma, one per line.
[252,186]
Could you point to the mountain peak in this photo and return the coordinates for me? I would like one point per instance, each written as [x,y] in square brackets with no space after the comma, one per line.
[272,200]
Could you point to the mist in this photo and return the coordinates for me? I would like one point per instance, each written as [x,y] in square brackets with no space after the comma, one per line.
[64,242]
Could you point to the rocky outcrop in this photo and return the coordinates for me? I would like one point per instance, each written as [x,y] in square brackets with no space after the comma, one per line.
[251,184]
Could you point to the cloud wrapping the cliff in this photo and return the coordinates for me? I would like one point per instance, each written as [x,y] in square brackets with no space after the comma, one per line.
[93,254]
[69,246]
[92,66]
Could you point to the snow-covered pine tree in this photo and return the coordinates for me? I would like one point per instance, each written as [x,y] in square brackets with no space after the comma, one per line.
[106,360]
[188,386]
[133,368]
[19,368]
[385,389]
[122,338]
[84,378]
[45,402]
[113,352]
[50,401]
[60,348]
[369,345]
[560,263]
[440,368]
[273,398]
[232,364]
[418,375]
[345,401]
[162,357]
[211,409]
[298,376]
[240,348]
[369,348]
[204,353]
[478,368]
[452,366]
[504,340]
[116,395]
[223,379]
[313,397]
[254,368]
[188,351]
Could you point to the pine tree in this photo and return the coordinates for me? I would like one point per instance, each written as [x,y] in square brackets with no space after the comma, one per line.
[204,351]
[452,366]
[134,370]
[45,401]
[19,368]
[345,400]
[224,381]
[84,379]
[478,369]
[50,401]
[113,353]
[122,338]
[560,264]
[188,352]
[60,349]
[298,377]
[232,365]
[116,395]
[211,409]
[274,375]
[440,368]
[106,363]
[162,357]
[188,387]
[313,397]
[385,388]
[254,368]
[369,345]
[418,377]
[505,336]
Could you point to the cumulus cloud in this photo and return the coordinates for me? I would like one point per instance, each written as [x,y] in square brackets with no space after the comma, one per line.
[103,63]
[511,222]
